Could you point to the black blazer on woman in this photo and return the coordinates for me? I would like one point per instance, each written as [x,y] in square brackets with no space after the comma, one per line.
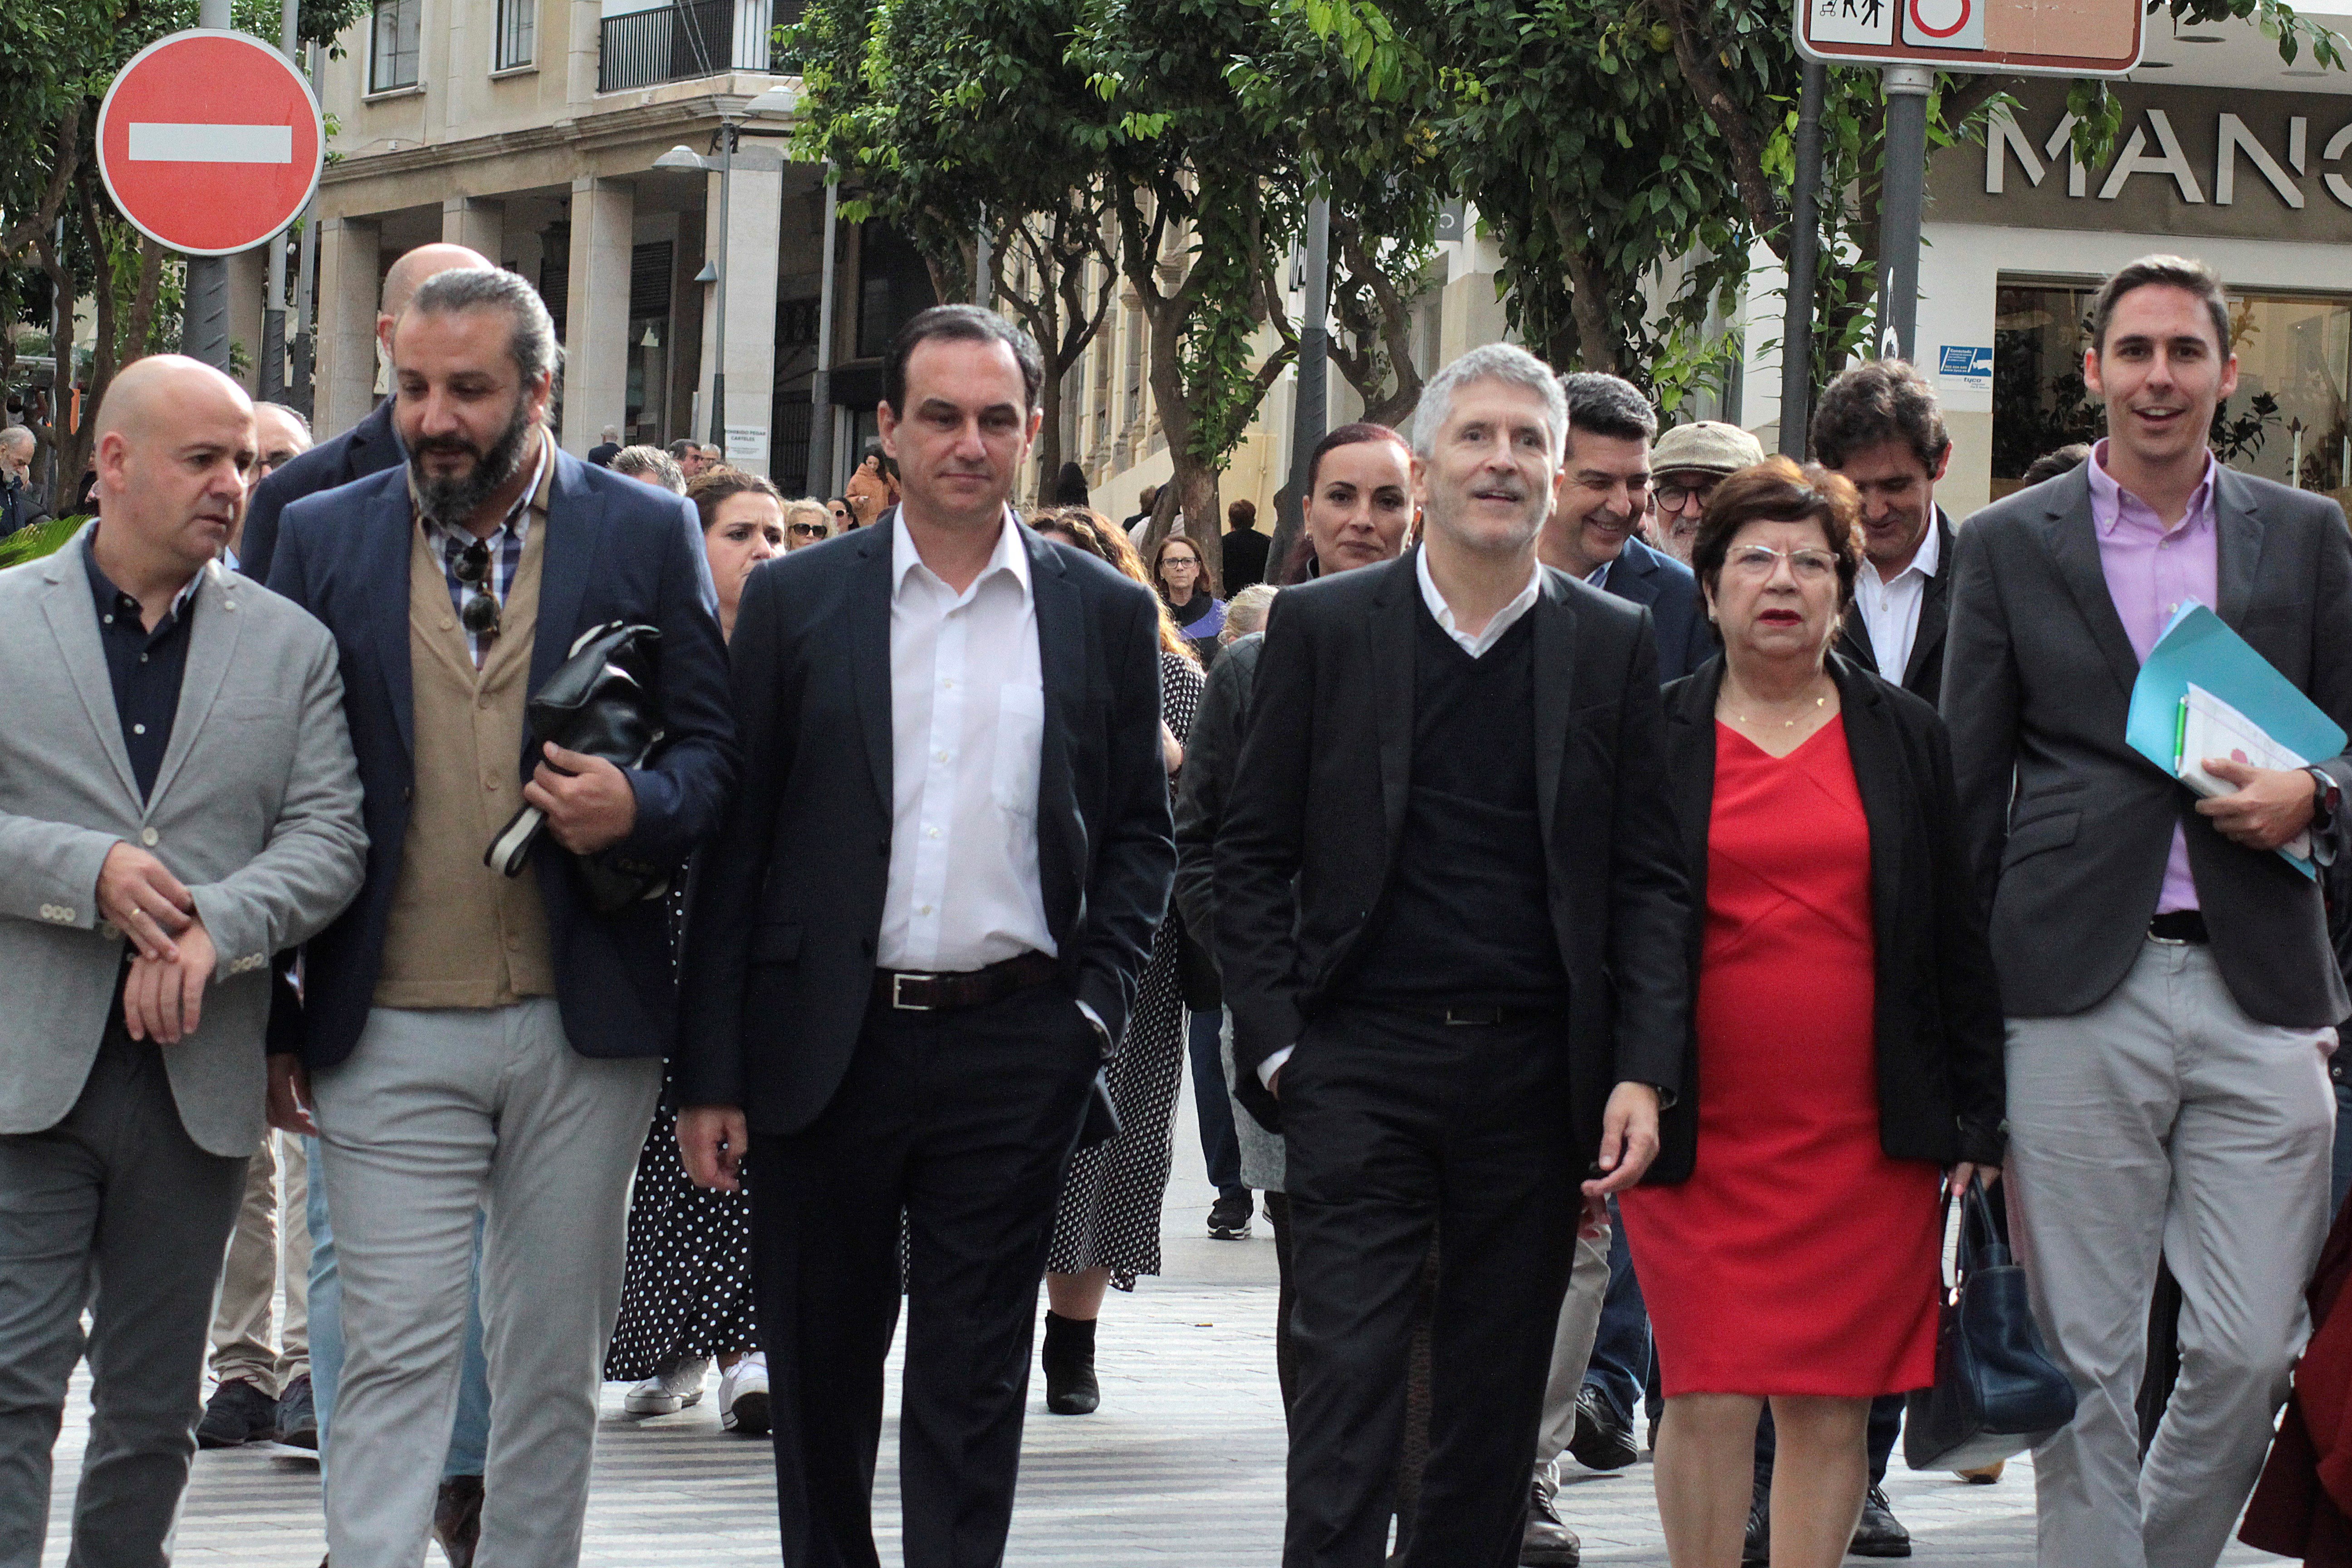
[1940,1085]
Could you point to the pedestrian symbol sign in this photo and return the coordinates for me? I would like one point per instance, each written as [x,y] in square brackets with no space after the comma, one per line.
[2059,38]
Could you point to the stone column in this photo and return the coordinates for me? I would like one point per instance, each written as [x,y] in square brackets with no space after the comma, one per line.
[476,223]
[596,324]
[754,219]
[350,281]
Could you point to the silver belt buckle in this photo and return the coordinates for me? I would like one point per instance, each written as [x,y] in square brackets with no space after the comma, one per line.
[897,1001]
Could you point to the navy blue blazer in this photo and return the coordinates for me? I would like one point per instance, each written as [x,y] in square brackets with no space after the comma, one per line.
[1647,577]
[788,905]
[368,447]
[616,551]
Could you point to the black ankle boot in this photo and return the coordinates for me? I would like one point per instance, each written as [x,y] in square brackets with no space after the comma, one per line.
[1070,1361]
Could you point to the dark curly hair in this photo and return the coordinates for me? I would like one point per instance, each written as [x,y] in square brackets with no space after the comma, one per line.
[1881,400]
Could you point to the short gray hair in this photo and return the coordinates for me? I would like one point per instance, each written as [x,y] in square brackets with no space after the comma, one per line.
[652,461]
[496,289]
[301,421]
[1506,362]
[18,436]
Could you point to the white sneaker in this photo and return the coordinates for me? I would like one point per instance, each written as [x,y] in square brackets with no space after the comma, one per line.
[743,1397]
[670,1391]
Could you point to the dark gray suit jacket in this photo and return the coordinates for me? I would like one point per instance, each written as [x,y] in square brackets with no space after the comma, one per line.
[2069,828]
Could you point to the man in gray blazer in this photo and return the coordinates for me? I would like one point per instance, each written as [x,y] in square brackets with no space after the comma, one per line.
[2168,981]
[178,800]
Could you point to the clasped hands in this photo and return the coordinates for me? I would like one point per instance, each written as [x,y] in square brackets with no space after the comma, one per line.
[163,996]
[2269,806]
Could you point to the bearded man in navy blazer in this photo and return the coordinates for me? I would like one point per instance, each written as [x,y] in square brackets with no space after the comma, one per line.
[899,991]
[470,1041]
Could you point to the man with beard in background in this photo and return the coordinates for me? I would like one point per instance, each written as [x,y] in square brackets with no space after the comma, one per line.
[469,1041]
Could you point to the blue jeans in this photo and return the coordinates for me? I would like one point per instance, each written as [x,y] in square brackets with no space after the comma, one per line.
[469,1436]
[1221,1147]
[2338,1073]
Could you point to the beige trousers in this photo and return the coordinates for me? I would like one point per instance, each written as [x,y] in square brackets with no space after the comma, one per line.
[262,1252]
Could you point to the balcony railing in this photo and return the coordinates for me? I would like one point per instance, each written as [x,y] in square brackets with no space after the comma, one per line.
[684,40]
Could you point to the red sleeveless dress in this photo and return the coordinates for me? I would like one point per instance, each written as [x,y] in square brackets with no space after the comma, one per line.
[1797,1259]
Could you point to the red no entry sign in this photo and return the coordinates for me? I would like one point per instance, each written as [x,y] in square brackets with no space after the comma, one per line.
[210,141]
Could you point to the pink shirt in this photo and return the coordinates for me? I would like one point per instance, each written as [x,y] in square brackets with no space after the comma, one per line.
[2151,572]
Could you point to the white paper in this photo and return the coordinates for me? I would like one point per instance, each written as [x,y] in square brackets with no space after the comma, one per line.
[2212,727]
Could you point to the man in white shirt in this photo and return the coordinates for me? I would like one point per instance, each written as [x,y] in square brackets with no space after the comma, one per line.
[1879,426]
[918,941]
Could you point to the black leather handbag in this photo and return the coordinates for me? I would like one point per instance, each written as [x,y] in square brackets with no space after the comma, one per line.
[599,702]
[1997,1391]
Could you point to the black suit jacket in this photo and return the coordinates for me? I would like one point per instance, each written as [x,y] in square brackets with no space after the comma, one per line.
[1922,672]
[368,447]
[615,551]
[1245,559]
[1666,587]
[1940,1080]
[1313,823]
[2070,829]
[788,905]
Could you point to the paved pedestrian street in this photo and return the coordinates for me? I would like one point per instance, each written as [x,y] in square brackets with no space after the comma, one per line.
[1182,1466]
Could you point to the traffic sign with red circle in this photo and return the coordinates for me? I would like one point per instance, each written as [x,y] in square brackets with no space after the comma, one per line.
[210,141]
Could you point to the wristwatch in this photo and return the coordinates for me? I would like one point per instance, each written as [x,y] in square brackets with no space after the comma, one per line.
[2326,795]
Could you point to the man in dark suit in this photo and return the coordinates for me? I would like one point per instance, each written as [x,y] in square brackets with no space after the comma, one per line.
[1244,549]
[472,1042]
[369,446]
[1594,532]
[900,991]
[1450,915]
[1879,426]
[2168,981]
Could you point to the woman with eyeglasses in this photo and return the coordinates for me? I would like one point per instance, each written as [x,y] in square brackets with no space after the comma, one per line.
[1845,1056]
[1190,590]
[686,1290]
[806,522]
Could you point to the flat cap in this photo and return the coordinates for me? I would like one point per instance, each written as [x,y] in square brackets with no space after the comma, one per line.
[1708,445]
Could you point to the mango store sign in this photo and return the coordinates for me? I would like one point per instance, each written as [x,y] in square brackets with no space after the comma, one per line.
[2191,160]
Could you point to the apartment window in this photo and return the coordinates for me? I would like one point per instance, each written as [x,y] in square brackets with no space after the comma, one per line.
[517,33]
[1131,408]
[392,59]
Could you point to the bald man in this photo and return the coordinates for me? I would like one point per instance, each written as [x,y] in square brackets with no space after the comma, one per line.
[369,446]
[178,800]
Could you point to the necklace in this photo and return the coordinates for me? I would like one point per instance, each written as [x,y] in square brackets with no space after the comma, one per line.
[1755,723]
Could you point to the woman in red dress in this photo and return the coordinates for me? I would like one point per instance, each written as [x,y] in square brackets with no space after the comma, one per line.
[1847,1039]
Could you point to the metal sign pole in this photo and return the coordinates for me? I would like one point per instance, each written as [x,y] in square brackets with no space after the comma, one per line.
[204,326]
[1804,263]
[1309,410]
[820,443]
[1902,203]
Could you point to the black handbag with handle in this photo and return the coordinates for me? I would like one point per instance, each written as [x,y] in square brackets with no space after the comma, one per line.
[1997,1391]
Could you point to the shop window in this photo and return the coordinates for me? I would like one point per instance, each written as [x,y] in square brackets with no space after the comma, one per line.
[2287,421]
[392,57]
[517,33]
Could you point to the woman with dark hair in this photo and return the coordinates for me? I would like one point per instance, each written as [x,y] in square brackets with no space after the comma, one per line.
[1070,486]
[844,517]
[1107,1231]
[1844,1063]
[686,1290]
[1187,586]
[1358,502]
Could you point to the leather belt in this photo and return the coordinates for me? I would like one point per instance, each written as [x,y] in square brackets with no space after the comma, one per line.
[1486,1014]
[2179,926]
[908,991]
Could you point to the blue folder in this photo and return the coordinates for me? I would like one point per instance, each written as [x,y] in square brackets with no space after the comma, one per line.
[2197,645]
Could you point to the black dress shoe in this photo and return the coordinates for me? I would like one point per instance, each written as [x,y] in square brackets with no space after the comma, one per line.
[1880,1533]
[1601,1442]
[298,1415]
[236,1412]
[1549,1543]
[1756,1548]
[1069,1362]
[457,1518]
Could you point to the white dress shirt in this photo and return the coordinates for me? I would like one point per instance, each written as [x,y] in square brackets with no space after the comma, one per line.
[967,720]
[1890,611]
[1476,646]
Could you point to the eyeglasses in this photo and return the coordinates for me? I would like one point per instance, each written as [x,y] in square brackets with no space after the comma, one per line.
[1673,498]
[811,530]
[1759,560]
[481,614]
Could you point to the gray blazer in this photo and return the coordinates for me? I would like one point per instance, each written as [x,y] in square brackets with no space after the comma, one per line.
[255,807]
[2068,827]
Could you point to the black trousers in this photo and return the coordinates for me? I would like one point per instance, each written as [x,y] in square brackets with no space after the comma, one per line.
[965,1120]
[1400,1128]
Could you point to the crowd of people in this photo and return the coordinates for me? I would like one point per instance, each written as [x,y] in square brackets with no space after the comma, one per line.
[1611,894]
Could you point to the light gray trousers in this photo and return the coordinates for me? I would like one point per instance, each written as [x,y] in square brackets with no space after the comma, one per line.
[1571,1345]
[115,1209]
[433,1115]
[2165,1121]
